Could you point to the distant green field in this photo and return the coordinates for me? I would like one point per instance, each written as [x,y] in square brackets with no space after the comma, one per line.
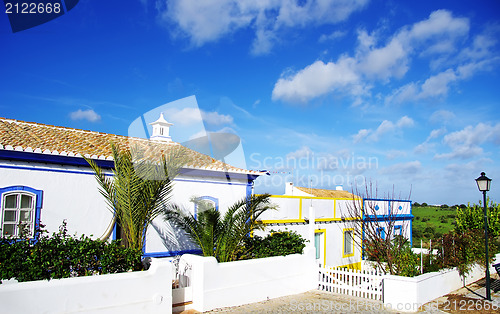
[431,222]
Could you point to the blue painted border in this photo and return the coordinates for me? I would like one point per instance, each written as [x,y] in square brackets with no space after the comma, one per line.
[52,159]
[172,253]
[388,217]
[109,164]
[210,198]
[38,207]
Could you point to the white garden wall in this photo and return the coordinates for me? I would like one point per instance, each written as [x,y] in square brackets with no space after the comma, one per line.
[134,292]
[216,285]
[407,294]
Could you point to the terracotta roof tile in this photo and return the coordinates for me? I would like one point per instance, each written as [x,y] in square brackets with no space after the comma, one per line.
[326,193]
[30,136]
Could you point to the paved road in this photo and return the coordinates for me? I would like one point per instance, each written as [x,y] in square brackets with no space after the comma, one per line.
[313,301]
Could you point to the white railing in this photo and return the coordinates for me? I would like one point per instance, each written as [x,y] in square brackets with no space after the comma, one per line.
[363,284]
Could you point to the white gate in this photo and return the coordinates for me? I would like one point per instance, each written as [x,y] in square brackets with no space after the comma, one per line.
[182,294]
[363,284]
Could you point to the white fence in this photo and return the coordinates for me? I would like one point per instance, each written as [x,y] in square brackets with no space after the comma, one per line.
[363,284]
[131,292]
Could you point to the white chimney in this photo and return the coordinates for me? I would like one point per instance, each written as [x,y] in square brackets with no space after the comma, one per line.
[161,130]
[339,188]
[289,188]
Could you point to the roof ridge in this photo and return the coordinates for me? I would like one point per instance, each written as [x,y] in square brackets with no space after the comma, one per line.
[57,127]
[51,139]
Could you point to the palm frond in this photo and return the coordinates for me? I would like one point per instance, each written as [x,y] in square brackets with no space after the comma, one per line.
[221,236]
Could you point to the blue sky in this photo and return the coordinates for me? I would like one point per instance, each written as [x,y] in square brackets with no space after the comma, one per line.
[403,95]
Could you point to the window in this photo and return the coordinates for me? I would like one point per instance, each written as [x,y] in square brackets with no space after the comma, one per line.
[381,232]
[348,243]
[319,245]
[20,210]
[398,230]
[203,203]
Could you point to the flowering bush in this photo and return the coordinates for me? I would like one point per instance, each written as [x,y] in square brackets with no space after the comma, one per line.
[62,256]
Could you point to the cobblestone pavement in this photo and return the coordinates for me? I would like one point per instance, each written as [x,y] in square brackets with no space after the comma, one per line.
[313,301]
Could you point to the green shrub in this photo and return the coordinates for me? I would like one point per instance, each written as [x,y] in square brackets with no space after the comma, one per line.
[274,244]
[397,255]
[63,256]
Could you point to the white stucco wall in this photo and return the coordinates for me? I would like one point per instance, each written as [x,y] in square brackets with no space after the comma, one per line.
[293,215]
[407,294]
[69,193]
[72,194]
[235,283]
[162,237]
[133,292]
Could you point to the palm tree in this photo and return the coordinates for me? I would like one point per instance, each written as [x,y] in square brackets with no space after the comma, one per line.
[220,235]
[137,192]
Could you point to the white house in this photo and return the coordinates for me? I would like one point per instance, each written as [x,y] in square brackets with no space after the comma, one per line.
[44,179]
[326,217]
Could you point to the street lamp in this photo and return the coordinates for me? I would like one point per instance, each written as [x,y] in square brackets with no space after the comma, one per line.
[483,184]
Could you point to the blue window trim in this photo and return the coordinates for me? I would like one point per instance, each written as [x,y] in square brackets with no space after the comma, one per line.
[208,198]
[38,205]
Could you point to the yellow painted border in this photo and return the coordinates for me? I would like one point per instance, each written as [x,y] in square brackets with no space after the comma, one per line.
[300,219]
[343,242]
[283,221]
[356,265]
[324,243]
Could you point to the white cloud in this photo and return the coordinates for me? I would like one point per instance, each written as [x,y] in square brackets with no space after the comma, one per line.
[191,116]
[442,116]
[404,122]
[425,146]
[394,153]
[89,115]
[215,118]
[408,168]
[466,143]
[384,128]
[332,36]
[315,80]
[437,133]
[303,152]
[186,116]
[373,62]
[361,135]
[440,26]
[207,21]
[437,85]
[385,62]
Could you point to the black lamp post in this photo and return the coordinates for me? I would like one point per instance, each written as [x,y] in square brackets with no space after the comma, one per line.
[483,183]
